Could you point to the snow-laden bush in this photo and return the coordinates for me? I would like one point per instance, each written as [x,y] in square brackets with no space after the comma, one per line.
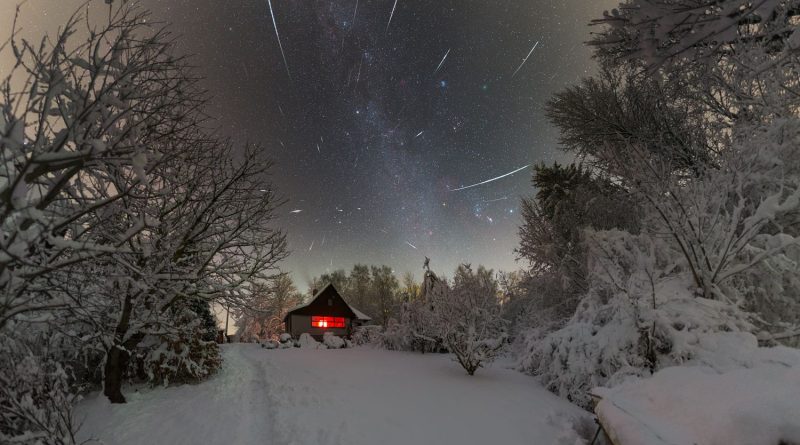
[396,336]
[185,359]
[367,335]
[307,341]
[37,394]
[469,318]
[269,344]
[182,355]
[333,341]
[285,337]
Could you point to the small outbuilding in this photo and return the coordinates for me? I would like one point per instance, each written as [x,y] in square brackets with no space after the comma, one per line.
[327,311]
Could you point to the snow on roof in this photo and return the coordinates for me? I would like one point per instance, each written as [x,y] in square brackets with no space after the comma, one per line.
[359,315]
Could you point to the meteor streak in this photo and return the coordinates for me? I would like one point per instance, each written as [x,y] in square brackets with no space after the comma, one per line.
[391,15]
[415,247]
[280,45]
[358,76]
[490,180]
[419,134]
[296,211]
[442,62]
[525,59]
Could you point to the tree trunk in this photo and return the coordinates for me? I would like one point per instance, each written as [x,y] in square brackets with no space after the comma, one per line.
[116,362]
[117,357]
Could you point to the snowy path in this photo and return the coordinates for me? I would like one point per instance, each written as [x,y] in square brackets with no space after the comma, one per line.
[232,407]
[331,397]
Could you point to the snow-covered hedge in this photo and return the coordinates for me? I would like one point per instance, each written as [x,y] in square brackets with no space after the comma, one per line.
[753,394]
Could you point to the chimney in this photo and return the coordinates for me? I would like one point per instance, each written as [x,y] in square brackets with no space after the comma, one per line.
[313,291]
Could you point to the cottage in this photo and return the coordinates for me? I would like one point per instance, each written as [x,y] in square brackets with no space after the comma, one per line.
[326,312]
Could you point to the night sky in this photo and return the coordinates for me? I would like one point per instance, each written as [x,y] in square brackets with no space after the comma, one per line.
[369,140]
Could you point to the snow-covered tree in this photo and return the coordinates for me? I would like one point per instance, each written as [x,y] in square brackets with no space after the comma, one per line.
[212,239]
[661,32]
[695,116]
[569,199]
[469,318]
[263,317]
[78,121]
[122,207]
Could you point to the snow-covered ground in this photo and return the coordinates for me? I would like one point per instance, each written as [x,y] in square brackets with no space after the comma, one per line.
[346,396]
[733,393]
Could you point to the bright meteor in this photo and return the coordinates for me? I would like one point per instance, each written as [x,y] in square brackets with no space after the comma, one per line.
[391,15]
[525,59]
[442,62]
[280,45]
[490,180]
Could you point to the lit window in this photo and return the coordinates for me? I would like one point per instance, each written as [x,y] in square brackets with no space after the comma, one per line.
[327,322]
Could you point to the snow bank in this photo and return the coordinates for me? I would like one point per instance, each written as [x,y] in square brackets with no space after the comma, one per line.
[332,341]
[308,342]
[740,394]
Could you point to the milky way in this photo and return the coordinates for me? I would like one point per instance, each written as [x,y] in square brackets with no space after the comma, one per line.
[380,121]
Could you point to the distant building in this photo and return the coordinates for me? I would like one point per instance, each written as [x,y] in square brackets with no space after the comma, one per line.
[326,312]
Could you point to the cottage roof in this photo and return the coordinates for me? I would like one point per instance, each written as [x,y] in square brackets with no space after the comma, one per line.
[328,288]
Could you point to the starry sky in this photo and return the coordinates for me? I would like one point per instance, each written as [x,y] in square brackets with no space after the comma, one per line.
[370,138]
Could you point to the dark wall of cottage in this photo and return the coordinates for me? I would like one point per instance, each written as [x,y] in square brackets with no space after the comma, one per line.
[299,324]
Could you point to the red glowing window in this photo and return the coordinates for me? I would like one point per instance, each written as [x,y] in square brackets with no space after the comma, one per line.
[326,322]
